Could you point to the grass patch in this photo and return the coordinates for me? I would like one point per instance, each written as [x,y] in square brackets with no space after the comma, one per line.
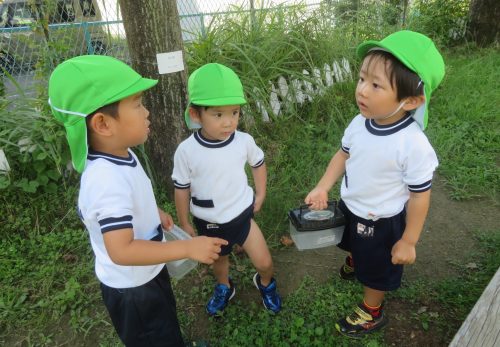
[464,123]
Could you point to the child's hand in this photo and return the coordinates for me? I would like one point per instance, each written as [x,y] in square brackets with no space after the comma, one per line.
[167,222]
[189,229]
[205,249]
[403,253]
[317,199]
[258,203]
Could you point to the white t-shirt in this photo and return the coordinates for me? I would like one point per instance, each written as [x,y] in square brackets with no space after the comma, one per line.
[385,163]
[215,173]
[116,193]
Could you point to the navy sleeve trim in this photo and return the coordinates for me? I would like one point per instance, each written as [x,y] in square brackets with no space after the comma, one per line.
[259,164]
[115,223]
[181,186]
[345,149]
[420,188]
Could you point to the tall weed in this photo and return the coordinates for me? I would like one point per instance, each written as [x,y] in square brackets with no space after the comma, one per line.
[34,145]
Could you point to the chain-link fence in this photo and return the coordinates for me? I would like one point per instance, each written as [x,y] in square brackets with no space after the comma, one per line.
[33,32]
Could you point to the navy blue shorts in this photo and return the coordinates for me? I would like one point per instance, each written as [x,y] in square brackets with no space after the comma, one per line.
[145,315]
[235,231]
[370,243]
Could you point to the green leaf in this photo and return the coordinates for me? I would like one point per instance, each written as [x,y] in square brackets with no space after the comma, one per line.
[39,166]
[53,174]
[425,325]
[41,156]
[4,182]
[42,179]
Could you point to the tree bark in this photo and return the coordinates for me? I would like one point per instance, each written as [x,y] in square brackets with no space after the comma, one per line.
[153,26]
[484,21]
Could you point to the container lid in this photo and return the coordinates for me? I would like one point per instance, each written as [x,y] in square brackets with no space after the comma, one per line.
[318,215]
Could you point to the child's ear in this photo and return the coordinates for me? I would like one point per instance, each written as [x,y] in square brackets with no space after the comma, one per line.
[101,124]
[194,115]
[413,102]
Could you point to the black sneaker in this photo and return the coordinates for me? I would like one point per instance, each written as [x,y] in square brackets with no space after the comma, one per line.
[361,322]
[346,271]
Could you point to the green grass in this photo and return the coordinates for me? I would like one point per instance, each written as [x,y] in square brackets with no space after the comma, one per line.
[464,123]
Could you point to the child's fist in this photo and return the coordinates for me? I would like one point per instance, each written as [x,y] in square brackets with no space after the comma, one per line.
[317,199]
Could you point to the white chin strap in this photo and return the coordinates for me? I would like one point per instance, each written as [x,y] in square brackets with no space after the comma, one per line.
[395,111]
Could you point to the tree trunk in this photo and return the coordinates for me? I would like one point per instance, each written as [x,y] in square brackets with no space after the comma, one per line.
[484,21]
[153,26]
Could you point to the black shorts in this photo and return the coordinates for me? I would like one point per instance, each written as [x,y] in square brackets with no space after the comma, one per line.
[370,243]
[145,315]
[235,231]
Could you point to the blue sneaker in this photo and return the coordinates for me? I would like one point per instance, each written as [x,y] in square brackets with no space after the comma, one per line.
[270,297]
[220,298]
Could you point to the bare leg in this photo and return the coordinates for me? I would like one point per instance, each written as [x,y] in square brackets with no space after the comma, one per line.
[373,297]
[256,248]
[221,270]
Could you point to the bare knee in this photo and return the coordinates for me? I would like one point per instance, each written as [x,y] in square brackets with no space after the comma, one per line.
[264,264]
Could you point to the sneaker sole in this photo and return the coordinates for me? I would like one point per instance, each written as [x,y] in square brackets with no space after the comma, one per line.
[363,333]
[263,303]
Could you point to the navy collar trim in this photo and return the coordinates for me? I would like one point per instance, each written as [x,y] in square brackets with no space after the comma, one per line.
[212,143]
[388,129]
[129,161]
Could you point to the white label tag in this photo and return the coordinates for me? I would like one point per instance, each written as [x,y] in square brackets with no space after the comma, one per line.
[170,62]
[4,164]
[325,239]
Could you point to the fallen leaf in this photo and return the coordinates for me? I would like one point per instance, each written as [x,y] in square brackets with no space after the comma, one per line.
[286,241]
[412,335]
[422,309]
[471,266]
[70,258]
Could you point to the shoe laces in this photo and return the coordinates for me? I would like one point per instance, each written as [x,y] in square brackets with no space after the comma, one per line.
[359,316]
[220,294]
[270,291]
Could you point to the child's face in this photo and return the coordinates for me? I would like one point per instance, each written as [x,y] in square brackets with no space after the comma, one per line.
[218,122]
[375,96]
[132,124]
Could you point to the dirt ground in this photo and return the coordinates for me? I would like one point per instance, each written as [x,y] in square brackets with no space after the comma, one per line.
[447,239]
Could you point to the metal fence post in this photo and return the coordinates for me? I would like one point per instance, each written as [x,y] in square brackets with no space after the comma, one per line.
[88,40]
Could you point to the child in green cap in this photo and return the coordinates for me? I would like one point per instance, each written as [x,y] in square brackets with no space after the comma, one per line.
[210,180]
[388,164]
[99,101]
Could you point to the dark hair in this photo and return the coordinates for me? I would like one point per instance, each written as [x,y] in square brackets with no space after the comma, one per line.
[199,108]
[110,110]
[405,80]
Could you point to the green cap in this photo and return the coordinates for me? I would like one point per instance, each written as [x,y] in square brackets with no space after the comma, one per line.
[213,85]
[81,85]
[419,54]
